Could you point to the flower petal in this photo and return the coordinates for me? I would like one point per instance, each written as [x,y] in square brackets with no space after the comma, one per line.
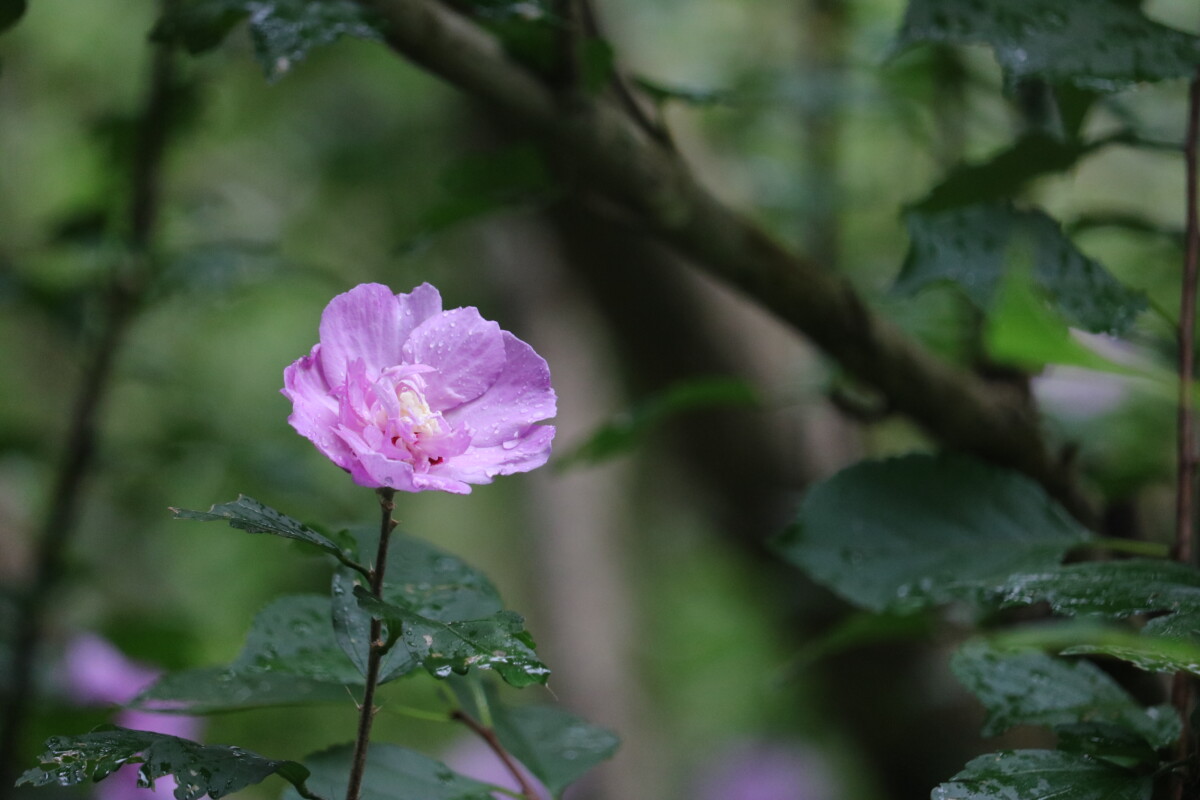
[371,323]
[520,397]
[374,470]
[481,464]
[466,350]
[314,409]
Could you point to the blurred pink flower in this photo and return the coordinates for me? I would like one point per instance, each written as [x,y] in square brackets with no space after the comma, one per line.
[472,757]
[405,395]
[765,771]
[94,672]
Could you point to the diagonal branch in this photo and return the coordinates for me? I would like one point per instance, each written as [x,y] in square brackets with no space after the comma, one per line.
[603,151]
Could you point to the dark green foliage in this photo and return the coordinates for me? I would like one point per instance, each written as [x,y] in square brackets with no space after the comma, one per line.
[283,31]
[1005,174]
[924,529]
[352,629]
[290,657]
[974,246]
[10,12]
[1111,588]
[393,773]
[557,746]
[1164,644]
[199,770]
[1042,775]
[496,642]
[249,515]
[1033,688]
[1098,44]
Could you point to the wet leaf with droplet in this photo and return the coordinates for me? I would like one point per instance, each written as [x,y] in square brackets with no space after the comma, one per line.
[1031,687]
[199,770]
[974,246]
[249,515]
[1097,44]
[497,642]
[1043,774]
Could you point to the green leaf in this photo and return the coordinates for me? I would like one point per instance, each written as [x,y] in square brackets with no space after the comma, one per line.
[598,63]
[1110,588]
[1165,644]
[290,656]
[629,430]
[496,642]
[973,246]
[199,770]
[911,531]
[283,31]
[249,515]
[352,629]
[1111,742]
[1043,775]
[556,746]
[213,690]
[393,773]
[1033,688]
[199,25]
[10,12]
[1097,44]
[1006,173]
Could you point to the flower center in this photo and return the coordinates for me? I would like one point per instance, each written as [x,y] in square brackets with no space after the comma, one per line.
[390,416]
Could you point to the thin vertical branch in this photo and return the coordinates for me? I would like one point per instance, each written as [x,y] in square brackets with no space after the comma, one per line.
[488,735]
[366,717]
[1186,446]
[1182,690]
[127,288]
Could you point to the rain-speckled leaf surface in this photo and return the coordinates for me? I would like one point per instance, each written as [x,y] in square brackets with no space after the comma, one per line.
[393,773]
[249,515]
[283,31]
[1043,775]
[557,746]
[199,770]
[1111,588]
[910,531]
[973,246]
[291,656]
[1034,688]
[497,642]
[1098,44]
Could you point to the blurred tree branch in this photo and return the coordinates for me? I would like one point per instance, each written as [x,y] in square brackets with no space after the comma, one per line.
[602,150]
[128,285]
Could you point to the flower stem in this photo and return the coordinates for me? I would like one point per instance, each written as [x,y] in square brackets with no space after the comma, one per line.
[377,646]
[488,735]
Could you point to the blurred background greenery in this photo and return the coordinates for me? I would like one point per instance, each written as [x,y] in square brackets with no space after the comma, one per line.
[644,575]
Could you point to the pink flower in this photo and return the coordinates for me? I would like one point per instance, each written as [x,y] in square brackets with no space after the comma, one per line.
[405,395]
